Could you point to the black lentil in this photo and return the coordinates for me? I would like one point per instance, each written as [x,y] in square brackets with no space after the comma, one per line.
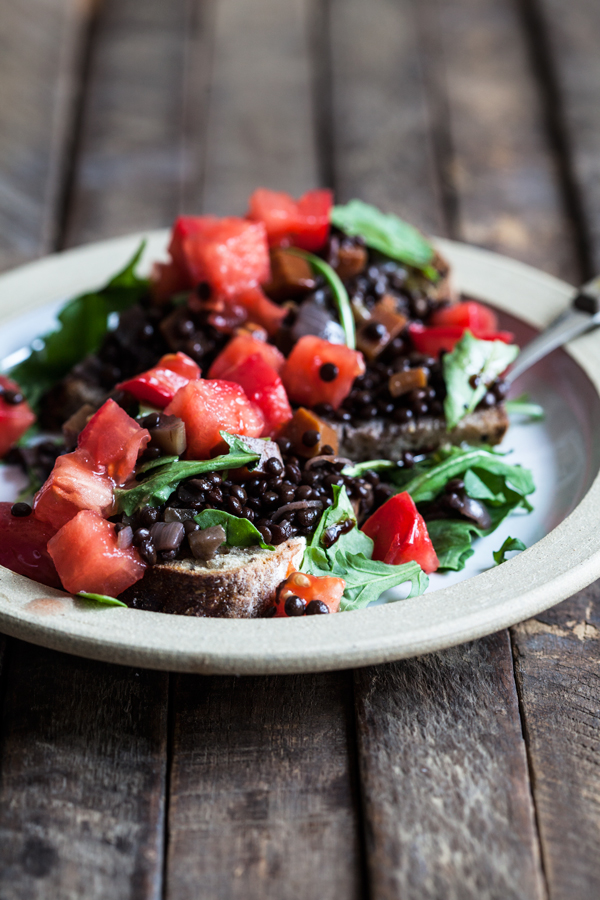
[316,608]
[294,605]
[20,510]
[328,372]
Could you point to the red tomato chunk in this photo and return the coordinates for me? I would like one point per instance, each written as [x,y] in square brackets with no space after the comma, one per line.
[479,319]
[299,590]
[261,310]
[23,542]
[208,407]
[303,223]
[263,386]
[87,557]
[75,483]
[113,440]
[159,385]
[231,254]
[15,418]
[240,348]
[319,372]
[400,534]
[431,341]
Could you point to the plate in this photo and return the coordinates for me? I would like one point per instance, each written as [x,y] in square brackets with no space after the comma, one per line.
[564,531]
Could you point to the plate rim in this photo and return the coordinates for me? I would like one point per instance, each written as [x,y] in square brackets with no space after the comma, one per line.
[539,576]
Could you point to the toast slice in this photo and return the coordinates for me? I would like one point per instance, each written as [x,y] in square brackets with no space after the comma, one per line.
[239,583]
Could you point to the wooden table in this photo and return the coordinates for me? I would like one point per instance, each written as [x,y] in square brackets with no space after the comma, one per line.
[472,773]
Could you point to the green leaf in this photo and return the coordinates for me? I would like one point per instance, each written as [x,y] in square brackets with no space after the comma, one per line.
[83,322]
[472,359]
[158,488]
[452,539]
[510,545]
[525,408]
[155,463]
[240,532]
[384,232]
[103,599]
[373,465]
[340,294]
[354,541]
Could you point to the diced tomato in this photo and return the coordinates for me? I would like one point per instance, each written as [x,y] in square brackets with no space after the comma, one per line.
[208,407]
[263,386]
[88,558]
[159,385]
[168,279]
[114,441]
[479,319]
[302,223]
[231,254]
[309,587]
[400,534]
[261,310]
[431,341]
[240,348]
[23,541]
[15,418]
[75,483]
[303,376]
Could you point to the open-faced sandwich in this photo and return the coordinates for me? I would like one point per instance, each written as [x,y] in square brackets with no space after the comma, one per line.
[292,415]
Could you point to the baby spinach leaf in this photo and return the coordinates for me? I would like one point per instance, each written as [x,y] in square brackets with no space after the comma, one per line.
[385,232]
[159,487]
[103,599]
[240,532]
[339,292]
[510,545]
[83,322]
[472,362]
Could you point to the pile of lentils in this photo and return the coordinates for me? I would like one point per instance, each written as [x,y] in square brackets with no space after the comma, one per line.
[284,501]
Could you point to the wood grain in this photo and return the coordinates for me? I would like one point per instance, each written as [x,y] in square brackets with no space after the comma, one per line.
[262,802]
[40,42]
[444,778]
[505,176]
[83,768]
[557,661]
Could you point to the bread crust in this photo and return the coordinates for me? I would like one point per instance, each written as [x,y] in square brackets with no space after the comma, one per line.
[240,584]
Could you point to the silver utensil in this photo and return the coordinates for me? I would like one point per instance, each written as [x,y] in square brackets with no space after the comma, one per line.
[581,316]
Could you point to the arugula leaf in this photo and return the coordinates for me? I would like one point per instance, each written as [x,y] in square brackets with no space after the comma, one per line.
[373,465]
[472,362]
[83,322]
[524,407]
[452,539]
[509,546]
[159,487]
[386,233]
[455,461]
[350,558]
[155,463]
[104,599]
[240,532]
[340,294]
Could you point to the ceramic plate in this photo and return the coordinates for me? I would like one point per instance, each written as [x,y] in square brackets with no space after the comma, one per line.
[563,533]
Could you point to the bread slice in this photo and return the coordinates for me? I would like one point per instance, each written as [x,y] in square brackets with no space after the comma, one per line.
[240,583]
[382,439]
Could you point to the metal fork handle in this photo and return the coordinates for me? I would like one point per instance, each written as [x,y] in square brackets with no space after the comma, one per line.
[583,315]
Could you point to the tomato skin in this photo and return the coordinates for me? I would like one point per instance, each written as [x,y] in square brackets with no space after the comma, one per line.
[231,254]
[87,557]
[209,406]
[431,341]
[263,386]
[301,371]
[240,348]
[114,441]
[23,543]
[75,483]
[168,279]
[14,419]
[261,310]
[479,319]
[400,534]
[159,385]
[310,587]
[302,223]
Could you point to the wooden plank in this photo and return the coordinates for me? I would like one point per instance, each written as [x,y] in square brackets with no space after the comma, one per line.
[83,768]
[566,37]
[39,56]
[557,661]
[383,136]
[261,122]
[262,803]
[131,163]
[505,176]
[444,777]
